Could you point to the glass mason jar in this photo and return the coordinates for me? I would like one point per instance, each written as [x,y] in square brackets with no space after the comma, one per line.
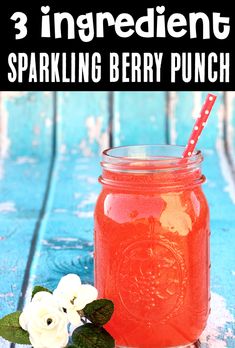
[152,245]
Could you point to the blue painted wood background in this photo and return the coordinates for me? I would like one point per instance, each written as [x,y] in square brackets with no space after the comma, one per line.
[50,145]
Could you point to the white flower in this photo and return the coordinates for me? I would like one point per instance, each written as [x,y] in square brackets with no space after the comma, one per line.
[72,295]
[45,322]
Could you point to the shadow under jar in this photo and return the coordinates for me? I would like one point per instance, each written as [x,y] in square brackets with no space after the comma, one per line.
[152,245]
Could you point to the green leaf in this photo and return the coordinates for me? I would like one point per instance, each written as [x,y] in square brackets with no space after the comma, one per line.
[11,330]
[71,346]
[99,312]
[92,336]
[39,288]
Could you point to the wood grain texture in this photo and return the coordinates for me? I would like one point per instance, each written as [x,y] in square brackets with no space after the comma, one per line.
[64,241]
[26,123]
[26,138]
[82,122]
[66,234]
[230,125]
[184,107]
[220,192]
[22,189]
[139,118]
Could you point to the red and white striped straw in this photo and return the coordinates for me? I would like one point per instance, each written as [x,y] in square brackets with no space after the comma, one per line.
[199,125]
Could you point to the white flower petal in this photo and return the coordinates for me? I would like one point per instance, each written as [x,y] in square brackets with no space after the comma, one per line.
[41,313]
[45,321]
[43,296]
[62,299]
[43,334]
[64,341]
[35,340]
[86,294]
[59,343]
[73,317]
[26,316]
[66,291]
[54,340]
[62,324]
[69,281]
[49,339]
[23,320]
[44,318]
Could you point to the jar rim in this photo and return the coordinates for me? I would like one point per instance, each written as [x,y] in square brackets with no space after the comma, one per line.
[157,157]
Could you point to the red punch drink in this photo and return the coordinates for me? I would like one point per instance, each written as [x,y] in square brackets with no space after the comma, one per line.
[152,246]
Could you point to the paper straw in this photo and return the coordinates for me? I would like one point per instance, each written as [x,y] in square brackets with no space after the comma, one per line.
[199,125]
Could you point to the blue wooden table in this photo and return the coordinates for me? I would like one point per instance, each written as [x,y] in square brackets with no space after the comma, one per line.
[50,145]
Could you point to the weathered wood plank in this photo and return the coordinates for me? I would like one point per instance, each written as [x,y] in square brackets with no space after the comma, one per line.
[66,235]
[26,121]
[65,241]
[139,118]
[184,108]
[83,122]
[69,220]
[22,187]
[220,192]
[230,125]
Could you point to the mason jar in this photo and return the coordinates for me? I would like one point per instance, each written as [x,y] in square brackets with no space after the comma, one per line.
[152,245]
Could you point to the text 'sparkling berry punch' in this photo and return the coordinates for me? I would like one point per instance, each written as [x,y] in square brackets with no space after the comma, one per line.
[152,245]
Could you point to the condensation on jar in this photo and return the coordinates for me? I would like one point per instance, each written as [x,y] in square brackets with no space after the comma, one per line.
[152,245]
